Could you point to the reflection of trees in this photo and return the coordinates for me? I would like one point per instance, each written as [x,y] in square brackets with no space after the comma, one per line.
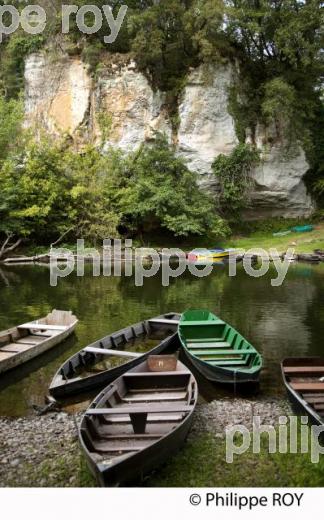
[279,321]
[7,277]
[274,319]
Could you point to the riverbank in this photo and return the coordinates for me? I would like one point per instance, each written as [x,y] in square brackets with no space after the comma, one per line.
[44,451]
[303,244]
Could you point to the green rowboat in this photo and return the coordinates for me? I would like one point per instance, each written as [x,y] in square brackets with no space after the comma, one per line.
[217,350]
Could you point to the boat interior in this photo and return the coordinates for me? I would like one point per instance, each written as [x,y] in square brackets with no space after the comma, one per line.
[28,335]
[139,338]
[217,343]
[306,377]
[138,409]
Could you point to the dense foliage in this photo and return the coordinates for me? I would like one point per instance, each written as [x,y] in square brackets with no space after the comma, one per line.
[46,189]
[233,173]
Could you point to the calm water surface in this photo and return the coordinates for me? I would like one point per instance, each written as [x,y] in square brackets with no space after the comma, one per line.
[278,321]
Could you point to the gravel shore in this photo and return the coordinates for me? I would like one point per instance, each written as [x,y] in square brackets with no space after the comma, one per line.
[44,452]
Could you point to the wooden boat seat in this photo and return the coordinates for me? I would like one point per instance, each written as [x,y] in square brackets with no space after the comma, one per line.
[211,345]
[150,390]
[41,326]
[163,321]
[112,352]
[155,396]
[304,370]
[202,323]
[226,362]
[106,447]
[138,414]
[204,340]
[14,347]
[236,352]
[314,400]
[299,387]
[138,409]
[154,418]
[31,340]
[319,406]
[155,374]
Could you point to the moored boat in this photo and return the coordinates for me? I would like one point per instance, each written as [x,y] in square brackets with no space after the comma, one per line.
[138,421]
[24,342]
[217,350]
[98,364]
[209,255]
[304,382]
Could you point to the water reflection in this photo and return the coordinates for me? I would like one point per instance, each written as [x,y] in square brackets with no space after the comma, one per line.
[279,321]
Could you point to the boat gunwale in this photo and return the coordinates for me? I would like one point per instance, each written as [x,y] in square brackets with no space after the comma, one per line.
[64,384]
[234,370]
[19,358]
[186,418]
[297,395]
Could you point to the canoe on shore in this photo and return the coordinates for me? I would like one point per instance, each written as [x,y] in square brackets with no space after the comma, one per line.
[104,360]
[24,342]
[139,421]
[304,382]
[217,350]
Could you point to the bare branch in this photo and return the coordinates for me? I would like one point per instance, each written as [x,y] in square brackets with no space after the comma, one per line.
[5,248]
[5,243]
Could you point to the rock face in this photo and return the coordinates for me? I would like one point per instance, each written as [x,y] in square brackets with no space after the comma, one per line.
[57,93]
[135,111]
[60,96]
[279,188]
[206,128]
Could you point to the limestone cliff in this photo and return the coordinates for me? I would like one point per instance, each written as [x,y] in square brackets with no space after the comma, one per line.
[61,97]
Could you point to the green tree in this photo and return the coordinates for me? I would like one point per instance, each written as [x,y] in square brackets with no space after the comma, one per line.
[11,113]
[233,172]
[163,193]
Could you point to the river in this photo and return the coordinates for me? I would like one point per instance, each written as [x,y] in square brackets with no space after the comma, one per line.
[279,321]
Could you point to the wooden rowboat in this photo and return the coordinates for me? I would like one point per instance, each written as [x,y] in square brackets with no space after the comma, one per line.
[217,350]
[103,361]
[304,381]
[22,343]
[138,421]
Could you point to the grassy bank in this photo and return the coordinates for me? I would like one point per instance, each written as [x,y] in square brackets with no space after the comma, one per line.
[301,242]
[202,463]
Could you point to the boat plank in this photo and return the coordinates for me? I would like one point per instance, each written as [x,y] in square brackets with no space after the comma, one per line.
[31,340]
[224,352]
[163,321]
[15,347]
[112,352]
[127,410]
[152,398]
[5,355]
[219,344]
[299,387]
[42,326]
[303,370]
[23,348]
[125,431]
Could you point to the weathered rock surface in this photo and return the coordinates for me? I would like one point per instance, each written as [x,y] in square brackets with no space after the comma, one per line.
[136,111]
[206,128]
[57,93]
[61,97]
[279,187]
